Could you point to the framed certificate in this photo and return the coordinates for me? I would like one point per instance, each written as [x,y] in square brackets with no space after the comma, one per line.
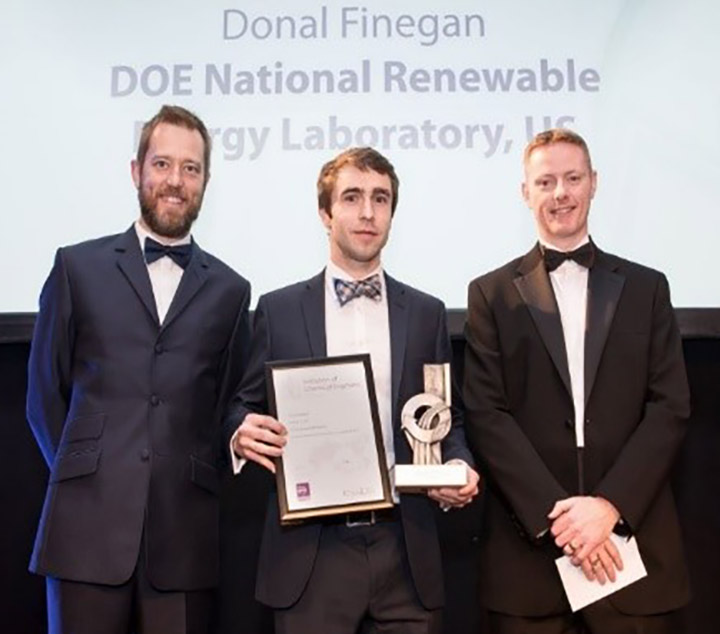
[334,460]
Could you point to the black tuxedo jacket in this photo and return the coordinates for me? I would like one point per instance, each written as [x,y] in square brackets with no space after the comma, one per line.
[128,413]
[520,424]
[290,324]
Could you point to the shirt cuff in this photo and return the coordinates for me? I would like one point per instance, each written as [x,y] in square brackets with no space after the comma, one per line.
[236,461]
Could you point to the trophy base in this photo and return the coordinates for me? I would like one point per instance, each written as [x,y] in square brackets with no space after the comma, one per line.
[414,477]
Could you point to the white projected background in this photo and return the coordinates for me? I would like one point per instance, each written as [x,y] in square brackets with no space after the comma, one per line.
[287,85]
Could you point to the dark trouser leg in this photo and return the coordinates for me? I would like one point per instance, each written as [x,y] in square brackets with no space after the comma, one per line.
[599,618]
[165,612]
[86,608]
[394,605]
[169,612]
[556,624]
[604,618]
[360,582]
[134,607]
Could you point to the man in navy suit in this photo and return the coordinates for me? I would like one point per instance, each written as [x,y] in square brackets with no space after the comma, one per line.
[140,339]
[375,571]
[576,404]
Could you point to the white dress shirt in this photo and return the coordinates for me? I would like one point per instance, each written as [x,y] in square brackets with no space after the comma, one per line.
[569,282]
[363,325]
[164,274]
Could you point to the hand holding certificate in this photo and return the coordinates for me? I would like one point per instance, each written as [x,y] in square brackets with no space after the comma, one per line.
[260,438]
[334,460]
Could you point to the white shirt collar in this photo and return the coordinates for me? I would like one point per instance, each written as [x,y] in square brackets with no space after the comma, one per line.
[333,270]
[549,245]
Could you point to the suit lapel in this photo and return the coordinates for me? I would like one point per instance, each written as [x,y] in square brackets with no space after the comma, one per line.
[192,280]
[313,307]
[132,264]
[398,317]
[605,286]
[533,284]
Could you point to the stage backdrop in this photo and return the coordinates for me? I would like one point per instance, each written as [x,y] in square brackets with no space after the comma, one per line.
[23,476]
[450,91]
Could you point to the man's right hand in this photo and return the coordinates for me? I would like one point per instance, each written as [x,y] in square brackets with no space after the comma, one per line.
[260,438]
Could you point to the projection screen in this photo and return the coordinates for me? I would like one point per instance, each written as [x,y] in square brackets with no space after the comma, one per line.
[449,91]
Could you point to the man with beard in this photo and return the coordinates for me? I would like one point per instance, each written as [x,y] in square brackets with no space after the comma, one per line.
[372,571]
[139,341]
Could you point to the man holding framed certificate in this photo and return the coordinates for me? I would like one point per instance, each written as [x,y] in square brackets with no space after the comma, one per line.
[351,339]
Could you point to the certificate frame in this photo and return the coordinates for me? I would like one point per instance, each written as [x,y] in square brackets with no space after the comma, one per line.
[319,374]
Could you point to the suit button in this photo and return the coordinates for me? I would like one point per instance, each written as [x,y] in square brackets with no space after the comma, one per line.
[569,423]
[145,455]
[159,348]
[154,400]
[587,421]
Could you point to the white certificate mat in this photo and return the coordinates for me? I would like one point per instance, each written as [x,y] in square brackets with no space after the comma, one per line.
[334,460]
[581,592]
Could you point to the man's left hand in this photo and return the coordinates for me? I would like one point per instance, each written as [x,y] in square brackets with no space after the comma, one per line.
[580,524]
[457,497]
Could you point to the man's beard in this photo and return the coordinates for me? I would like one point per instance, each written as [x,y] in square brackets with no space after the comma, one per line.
[168,227]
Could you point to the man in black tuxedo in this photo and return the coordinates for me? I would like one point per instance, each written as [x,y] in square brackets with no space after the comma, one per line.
[380,571]
[140,340]
[576,403]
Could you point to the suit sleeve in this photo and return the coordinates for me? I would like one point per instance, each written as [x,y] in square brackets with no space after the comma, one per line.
[504,451]
[237,352]
[649,453]
[454,445]
[251,394]
[49,366]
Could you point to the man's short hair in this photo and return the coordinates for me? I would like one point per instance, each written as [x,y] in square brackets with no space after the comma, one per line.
[175,115]
[362,158]
[557,135]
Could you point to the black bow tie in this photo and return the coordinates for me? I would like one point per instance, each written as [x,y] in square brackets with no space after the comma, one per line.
[346,291]
[584,256]
[180,253]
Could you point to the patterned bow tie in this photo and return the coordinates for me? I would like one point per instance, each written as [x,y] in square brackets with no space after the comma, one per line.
[180,253]
[584,256]
[369,287]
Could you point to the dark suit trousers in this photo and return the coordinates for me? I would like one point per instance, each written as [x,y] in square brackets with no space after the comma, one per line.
[599,618]
[360,583]
[134,607]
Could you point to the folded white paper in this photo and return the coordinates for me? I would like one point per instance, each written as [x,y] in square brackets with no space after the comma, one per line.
[581,592]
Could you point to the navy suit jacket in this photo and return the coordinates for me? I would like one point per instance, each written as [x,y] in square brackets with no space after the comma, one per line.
[520,424]
[290,324]
[128,413]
